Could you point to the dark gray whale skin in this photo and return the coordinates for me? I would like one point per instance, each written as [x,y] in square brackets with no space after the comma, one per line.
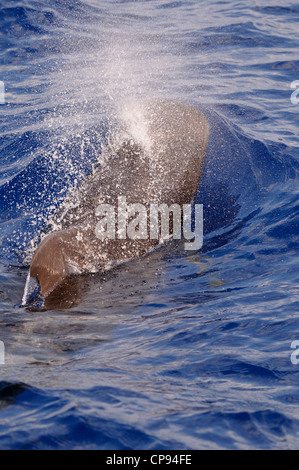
[168,173]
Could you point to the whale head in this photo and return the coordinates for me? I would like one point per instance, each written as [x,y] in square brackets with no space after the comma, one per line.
[168,172]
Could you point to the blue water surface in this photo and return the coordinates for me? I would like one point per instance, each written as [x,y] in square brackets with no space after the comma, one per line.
[178,350]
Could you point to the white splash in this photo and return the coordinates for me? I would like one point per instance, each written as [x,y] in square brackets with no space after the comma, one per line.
[28,289]
[133,118]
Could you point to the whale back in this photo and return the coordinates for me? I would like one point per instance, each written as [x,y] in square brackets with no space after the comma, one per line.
[162,166]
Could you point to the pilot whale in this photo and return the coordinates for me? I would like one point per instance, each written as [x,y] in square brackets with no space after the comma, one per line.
[162,167]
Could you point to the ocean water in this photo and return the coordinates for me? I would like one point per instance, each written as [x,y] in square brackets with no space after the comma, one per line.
[177,350]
